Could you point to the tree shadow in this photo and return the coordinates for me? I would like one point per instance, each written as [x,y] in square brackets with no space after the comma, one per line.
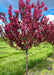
[39,66]
[2,47]
[45,64]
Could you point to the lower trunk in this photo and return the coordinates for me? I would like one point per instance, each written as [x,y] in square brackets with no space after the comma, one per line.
[26,61]
[53,52]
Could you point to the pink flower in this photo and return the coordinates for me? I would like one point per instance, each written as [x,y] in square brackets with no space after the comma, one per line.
[32,5]
[45,9]
[42,4]
[27,1]
[38,2]
[10,6]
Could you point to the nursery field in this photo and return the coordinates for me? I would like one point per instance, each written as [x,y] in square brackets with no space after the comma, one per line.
[12,61]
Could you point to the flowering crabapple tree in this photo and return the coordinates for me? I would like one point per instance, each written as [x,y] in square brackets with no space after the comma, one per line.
[2,19]
[29,33]
[50,38]
[47,31]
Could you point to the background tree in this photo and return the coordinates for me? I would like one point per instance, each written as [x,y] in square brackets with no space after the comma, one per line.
[3,19]
[47,32]
[51,36]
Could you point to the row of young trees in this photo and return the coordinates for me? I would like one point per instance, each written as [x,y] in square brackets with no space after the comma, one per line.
[32,30]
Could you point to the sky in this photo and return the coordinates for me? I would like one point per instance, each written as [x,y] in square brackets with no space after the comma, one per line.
[4,4]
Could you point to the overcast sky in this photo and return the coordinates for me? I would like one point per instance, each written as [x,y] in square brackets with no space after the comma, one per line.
[5,3]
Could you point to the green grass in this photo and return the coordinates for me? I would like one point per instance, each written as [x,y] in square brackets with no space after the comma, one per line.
[45,67]
[12,61]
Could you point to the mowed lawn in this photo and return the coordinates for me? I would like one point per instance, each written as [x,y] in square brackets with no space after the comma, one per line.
[13,62]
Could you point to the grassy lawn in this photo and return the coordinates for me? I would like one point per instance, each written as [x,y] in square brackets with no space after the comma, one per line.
[12,61]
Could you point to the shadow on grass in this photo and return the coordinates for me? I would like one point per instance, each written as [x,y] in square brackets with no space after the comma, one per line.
[8,54]
[2,47]
[45,64]
[38,66]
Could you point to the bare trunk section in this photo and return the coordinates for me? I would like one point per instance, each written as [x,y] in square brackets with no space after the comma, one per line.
[26,61]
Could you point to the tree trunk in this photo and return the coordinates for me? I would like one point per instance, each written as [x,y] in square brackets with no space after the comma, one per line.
[26,61]
[53,52]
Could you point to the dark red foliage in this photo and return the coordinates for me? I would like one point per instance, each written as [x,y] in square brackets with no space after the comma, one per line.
[28,32]
[31,31]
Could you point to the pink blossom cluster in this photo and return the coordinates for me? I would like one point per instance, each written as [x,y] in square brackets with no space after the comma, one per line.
[51,33]
[32,31]
[46,30]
